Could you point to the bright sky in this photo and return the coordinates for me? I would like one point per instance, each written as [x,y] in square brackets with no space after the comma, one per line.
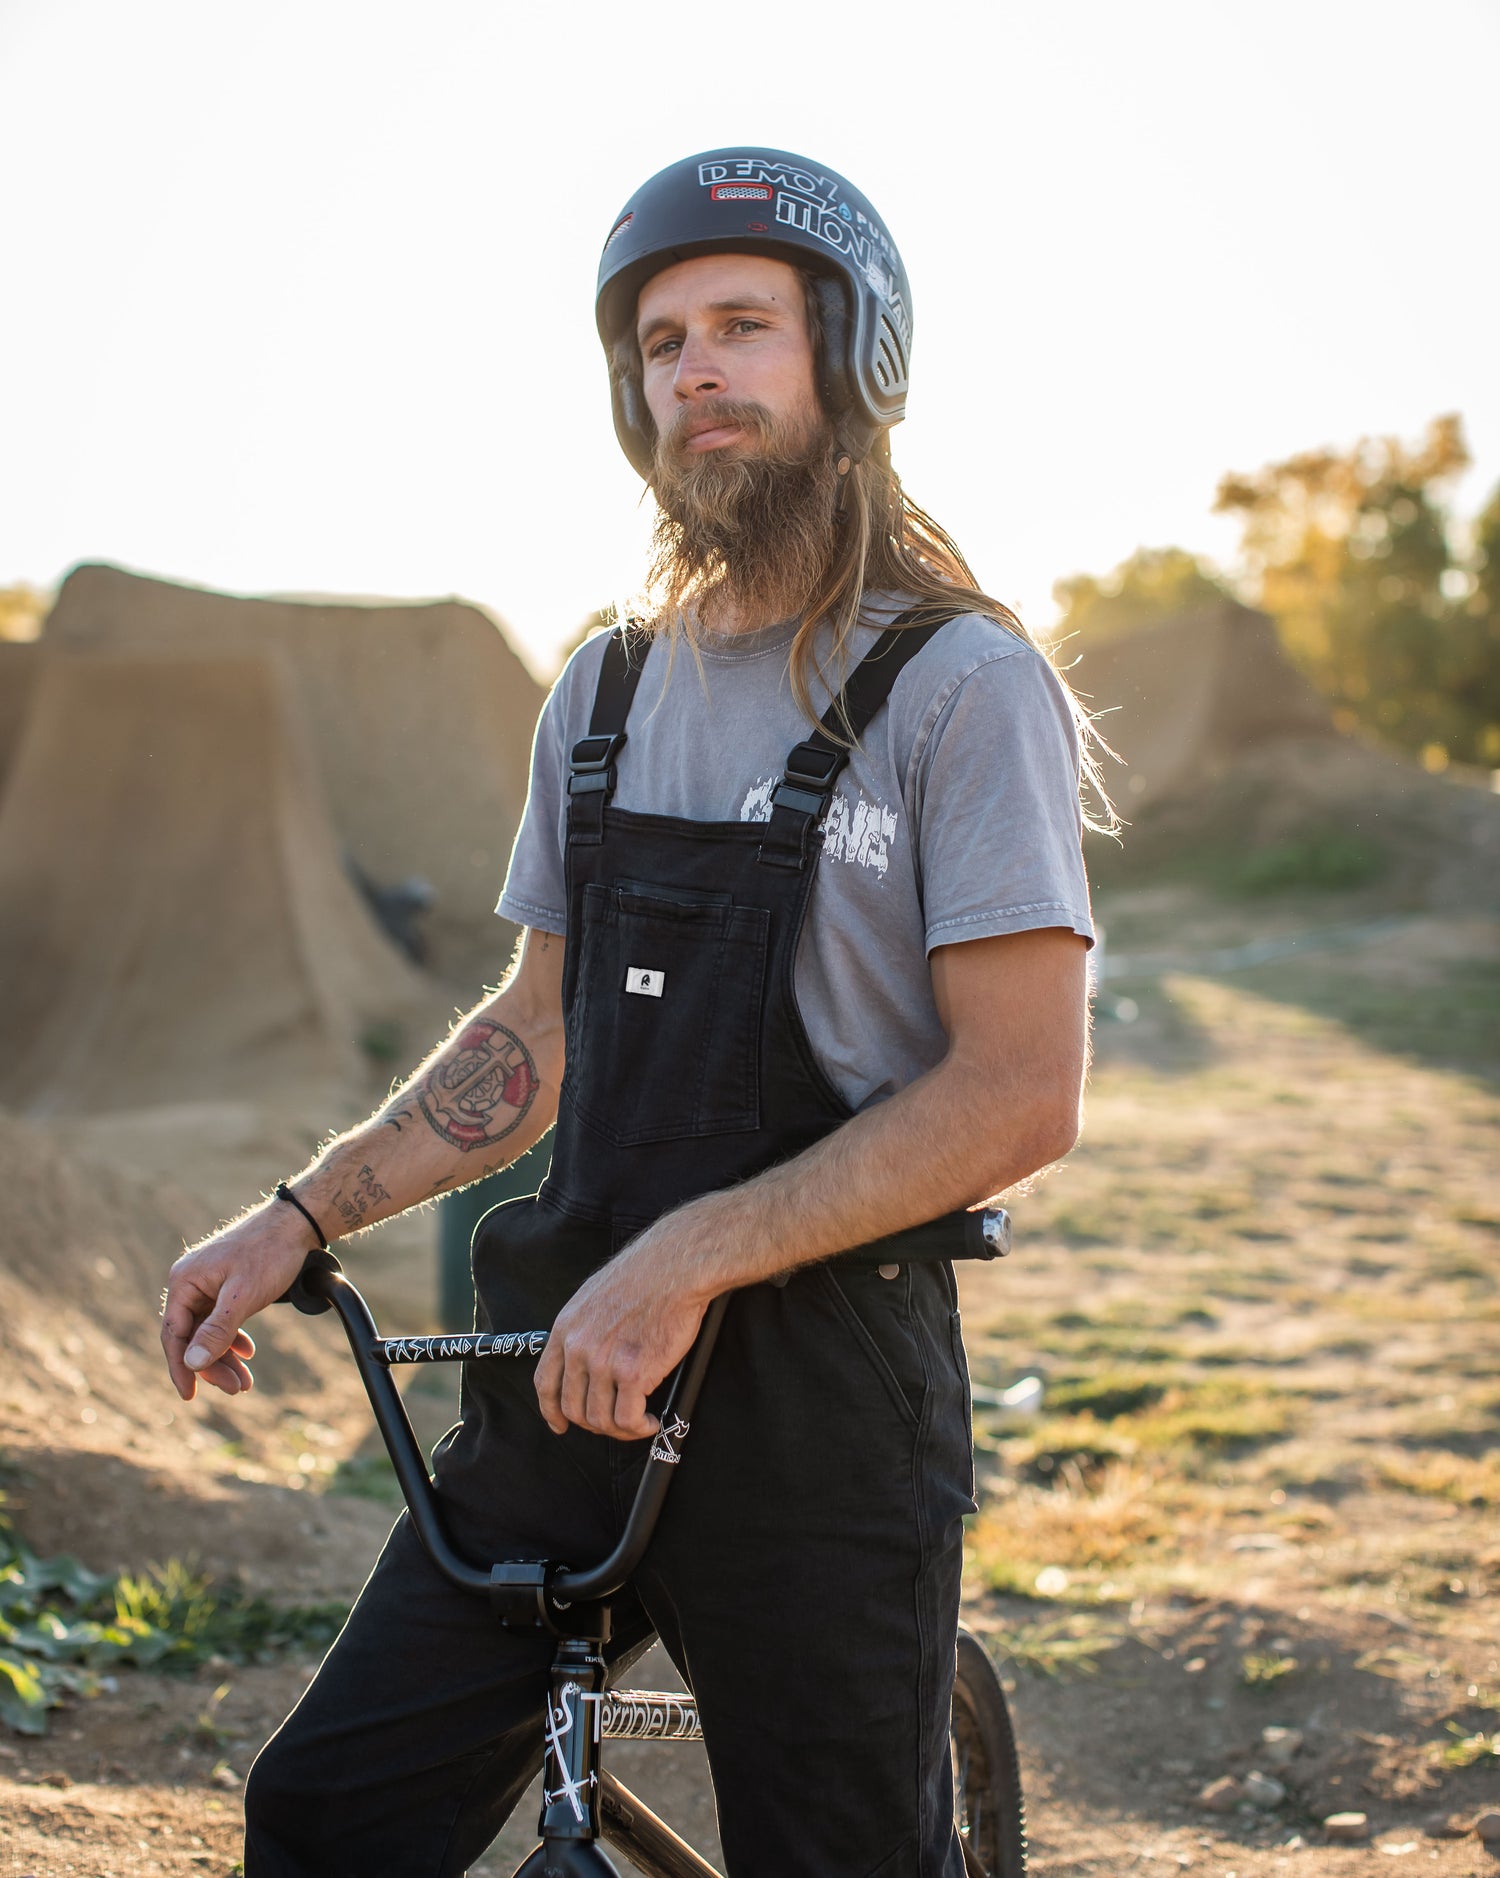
[299,294]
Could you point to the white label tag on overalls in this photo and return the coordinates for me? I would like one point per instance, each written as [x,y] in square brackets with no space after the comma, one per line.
[643,981]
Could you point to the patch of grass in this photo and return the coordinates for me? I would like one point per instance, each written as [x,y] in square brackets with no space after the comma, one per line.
[205,1730]
[205,1618]
[1080,1224]
[1454,1021]
[1440,1474]
[1059,1646]
[1465,1750]
[1261,1670]
[1078,1525]
[1216,1415]
[1117,1416]
[1110,1394]
[1107,1342]
[1057,1443]
[1320,860]
[61,1625]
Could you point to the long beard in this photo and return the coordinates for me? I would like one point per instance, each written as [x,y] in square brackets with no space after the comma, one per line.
[752,531]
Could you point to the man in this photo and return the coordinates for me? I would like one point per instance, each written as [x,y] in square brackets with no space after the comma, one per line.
[780,1007]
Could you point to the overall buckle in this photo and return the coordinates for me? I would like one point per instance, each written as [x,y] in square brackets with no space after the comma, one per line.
[808,779]
[592,764]
[798,803]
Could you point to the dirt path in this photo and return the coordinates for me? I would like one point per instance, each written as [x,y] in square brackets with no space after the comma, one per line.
[1265,1297]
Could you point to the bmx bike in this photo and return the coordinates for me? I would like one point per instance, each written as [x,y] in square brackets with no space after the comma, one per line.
[582,1803]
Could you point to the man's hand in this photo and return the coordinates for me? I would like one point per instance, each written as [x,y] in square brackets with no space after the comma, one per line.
[215,1286]
[623,1333]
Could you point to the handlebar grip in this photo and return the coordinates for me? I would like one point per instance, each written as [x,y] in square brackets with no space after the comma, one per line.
[988,1234]
[307,1291]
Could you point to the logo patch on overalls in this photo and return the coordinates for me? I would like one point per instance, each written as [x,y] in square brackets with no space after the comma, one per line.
[644,982]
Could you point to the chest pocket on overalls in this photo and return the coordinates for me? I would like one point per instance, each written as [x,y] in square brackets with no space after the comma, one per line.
[663,1033]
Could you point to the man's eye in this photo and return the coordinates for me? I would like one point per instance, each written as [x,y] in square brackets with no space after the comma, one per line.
[663,346]
[748,326]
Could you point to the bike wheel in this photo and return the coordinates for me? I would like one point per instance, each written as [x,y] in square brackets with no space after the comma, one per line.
[987,1802]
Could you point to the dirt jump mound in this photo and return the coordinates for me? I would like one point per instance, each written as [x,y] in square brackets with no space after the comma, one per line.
[174,916]
[1179,700]
[421,717]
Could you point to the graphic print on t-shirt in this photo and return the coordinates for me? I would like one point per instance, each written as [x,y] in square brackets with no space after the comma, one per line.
[858,830]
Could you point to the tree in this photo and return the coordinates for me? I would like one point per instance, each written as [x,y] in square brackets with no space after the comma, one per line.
[22,610]
[1351,553]
[1154,584]
[1476,650]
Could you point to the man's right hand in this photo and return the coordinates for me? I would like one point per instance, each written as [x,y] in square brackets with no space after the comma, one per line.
[214,1287]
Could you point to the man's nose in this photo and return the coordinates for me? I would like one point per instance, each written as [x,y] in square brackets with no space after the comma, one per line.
[699,374]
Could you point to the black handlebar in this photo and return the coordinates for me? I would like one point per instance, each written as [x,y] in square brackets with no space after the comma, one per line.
[529,1591]
[321,1286]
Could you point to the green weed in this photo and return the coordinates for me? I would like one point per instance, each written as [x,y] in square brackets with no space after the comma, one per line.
[1260,1670]
[1466,1750]
[61,1625]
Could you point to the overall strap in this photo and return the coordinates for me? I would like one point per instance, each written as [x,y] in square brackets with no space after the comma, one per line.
[591,769]
[800,800]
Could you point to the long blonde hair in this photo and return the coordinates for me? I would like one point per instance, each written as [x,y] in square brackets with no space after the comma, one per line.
[886,545]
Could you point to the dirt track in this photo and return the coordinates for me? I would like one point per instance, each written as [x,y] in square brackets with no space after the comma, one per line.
[1276,1248]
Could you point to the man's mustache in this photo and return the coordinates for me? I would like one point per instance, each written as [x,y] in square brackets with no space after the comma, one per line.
[741,413]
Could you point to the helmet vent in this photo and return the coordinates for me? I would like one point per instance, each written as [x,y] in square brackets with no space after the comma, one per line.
[895,352]
[887,371]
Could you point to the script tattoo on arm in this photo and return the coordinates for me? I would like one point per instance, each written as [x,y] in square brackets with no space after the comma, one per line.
[480,1089]
[354,1208]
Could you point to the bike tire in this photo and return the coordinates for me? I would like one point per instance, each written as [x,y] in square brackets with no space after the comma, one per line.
[988,1809]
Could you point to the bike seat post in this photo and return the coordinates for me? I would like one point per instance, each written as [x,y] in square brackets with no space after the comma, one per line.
[570,1764]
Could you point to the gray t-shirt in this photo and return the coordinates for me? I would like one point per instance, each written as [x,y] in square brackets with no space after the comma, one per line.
[956,819]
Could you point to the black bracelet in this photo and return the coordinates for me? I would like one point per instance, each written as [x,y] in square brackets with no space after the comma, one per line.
[284,1192]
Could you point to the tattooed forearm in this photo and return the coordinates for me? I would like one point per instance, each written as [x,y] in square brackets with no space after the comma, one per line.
[480,1090]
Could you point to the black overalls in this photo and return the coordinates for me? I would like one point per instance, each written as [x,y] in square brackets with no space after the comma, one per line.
[805,1575]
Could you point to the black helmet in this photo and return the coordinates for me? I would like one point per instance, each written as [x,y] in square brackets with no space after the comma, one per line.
[769,202]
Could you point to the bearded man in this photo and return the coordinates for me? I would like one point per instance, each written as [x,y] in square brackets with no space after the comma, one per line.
[802,970]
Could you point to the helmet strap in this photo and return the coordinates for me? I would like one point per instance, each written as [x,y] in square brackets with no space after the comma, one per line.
[843,468]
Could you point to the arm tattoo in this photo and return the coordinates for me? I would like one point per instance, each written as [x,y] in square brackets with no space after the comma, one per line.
[355,1208]
[481,1092]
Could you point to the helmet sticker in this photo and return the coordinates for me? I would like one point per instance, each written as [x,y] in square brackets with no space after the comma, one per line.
[757,199]
[806,202]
